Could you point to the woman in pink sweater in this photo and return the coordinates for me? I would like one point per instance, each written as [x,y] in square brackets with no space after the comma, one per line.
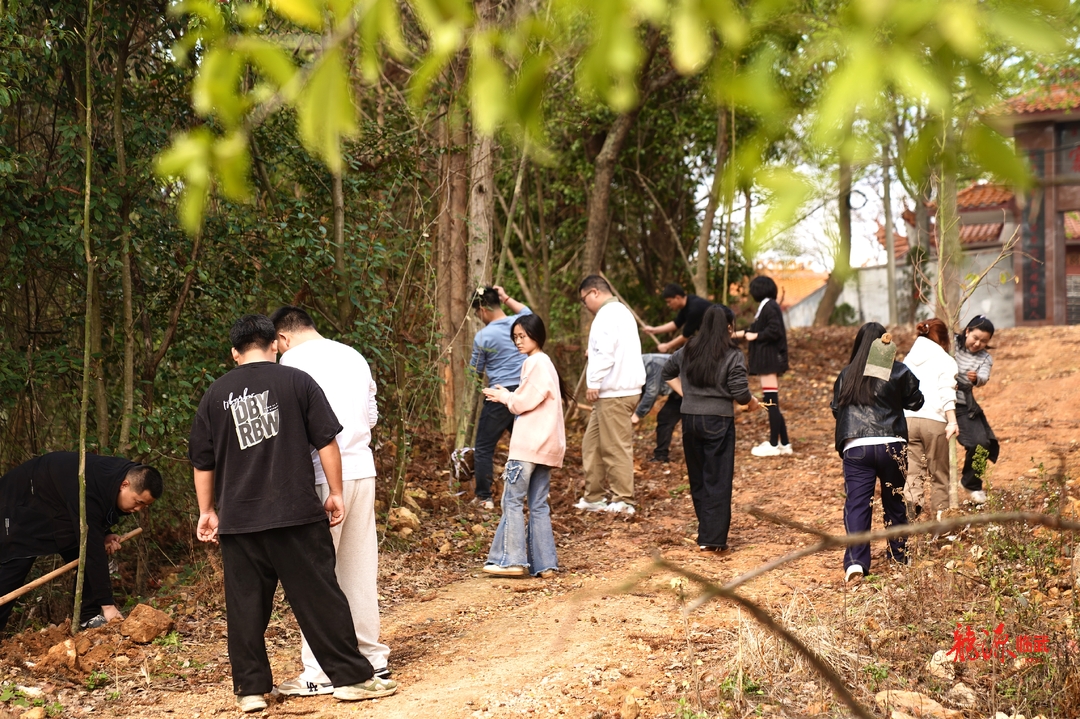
[537,445]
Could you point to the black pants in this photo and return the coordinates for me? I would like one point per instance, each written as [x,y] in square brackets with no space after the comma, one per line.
[709,445]
[495,419]
[968,480]
[302,557]
[13,574]
[667,419]
[863,467]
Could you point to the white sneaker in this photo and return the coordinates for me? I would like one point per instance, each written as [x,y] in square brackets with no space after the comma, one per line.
[854,573]
[978,497]
[250,703]
[769,450]
[620,508]
[300,688]
[600,506]
[786,449]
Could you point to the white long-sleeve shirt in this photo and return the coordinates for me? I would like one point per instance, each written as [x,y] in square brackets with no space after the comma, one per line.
[345,379]
[936,370]
[615,367]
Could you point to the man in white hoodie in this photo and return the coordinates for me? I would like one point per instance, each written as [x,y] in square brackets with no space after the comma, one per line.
[345,378]
[613,379]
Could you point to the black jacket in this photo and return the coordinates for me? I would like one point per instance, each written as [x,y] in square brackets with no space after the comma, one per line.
[883,418]
[768,353]
[39,511]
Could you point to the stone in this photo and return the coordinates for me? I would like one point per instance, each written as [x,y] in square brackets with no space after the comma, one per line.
[630,708]
[478,530]
[404,532]
[941,666]
[915,704]
[961,695]
[82,644]
[35,713]
[62,655]
[403,518]
[145,624]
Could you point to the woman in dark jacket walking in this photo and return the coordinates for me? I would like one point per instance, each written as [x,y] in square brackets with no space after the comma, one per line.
[710,374]
[869,399]
[768,360]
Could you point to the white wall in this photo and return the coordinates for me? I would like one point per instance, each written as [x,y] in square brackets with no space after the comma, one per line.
[867,293]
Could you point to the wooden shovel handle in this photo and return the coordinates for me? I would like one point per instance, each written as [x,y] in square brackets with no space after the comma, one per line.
[44,579]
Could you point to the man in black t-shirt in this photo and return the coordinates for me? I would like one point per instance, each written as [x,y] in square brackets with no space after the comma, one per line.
[690,309]
[250,446]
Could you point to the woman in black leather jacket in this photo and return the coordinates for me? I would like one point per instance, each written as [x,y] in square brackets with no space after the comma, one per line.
[871,437]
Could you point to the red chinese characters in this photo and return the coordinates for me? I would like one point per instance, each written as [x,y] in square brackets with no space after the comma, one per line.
[968,646]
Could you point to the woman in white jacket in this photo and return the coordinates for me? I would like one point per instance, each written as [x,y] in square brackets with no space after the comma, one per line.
[930,427]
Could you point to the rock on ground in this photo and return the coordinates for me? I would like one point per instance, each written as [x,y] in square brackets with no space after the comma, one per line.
[145,624]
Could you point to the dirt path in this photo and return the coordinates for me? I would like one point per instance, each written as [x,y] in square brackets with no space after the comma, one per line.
[581,645]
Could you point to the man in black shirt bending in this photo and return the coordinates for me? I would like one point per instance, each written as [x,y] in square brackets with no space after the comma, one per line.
[690,309]
[256,488]
[39,516]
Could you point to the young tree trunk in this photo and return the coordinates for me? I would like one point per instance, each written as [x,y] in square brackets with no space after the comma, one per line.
[84,407]
[341,270]
[701,269]
[97,369]
[842,262]
[128,404]
[890,236]
[481,209]
[452,271]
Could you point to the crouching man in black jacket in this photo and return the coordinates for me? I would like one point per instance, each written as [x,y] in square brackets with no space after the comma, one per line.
[39,516]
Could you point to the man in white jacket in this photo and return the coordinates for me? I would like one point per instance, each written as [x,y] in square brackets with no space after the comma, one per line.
[345,378]
[613,379]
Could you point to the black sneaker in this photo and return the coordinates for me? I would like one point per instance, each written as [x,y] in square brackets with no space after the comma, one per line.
[94,622]
[661,458]
[383,673]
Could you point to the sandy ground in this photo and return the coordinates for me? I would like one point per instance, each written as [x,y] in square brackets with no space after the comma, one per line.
[608,634]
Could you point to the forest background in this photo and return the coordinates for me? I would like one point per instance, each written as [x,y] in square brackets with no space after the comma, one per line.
[165,168]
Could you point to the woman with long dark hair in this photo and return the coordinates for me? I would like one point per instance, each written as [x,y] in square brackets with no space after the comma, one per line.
[931,427]
[537,445]
[710,374]
[869,399]
[768,360]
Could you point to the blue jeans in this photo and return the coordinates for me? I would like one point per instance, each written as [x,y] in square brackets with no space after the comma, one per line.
[514,544]
[863,466]
[709,446]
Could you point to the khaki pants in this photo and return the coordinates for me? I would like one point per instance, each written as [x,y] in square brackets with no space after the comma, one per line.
[357,547]
[928,456]
[607,449]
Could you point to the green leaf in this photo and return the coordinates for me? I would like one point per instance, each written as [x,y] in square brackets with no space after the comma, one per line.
[326,111]
[1026,31]
[189,161]
[996,154]
[232,162]
[691,41]
[216,88]
[960,24]
[916,81]
[487,86]
[272,61]
[306,13]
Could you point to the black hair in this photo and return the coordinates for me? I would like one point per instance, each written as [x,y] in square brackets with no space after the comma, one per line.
[252,331]
[857,388]
[730,313]
[291,319]
[980,322]
[142,478]
[534,329]
[486,297]
[706,349]
[672,290]
[594,282]
[762,287]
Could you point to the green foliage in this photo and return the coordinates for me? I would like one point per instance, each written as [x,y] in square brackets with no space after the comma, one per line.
[95,680]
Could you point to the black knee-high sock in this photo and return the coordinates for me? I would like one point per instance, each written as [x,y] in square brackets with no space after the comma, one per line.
[777,425]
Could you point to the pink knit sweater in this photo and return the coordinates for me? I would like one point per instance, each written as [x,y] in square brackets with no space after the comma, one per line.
[538,436]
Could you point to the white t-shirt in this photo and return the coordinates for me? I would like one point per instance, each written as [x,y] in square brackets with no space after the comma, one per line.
[614,366]
[345,379]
